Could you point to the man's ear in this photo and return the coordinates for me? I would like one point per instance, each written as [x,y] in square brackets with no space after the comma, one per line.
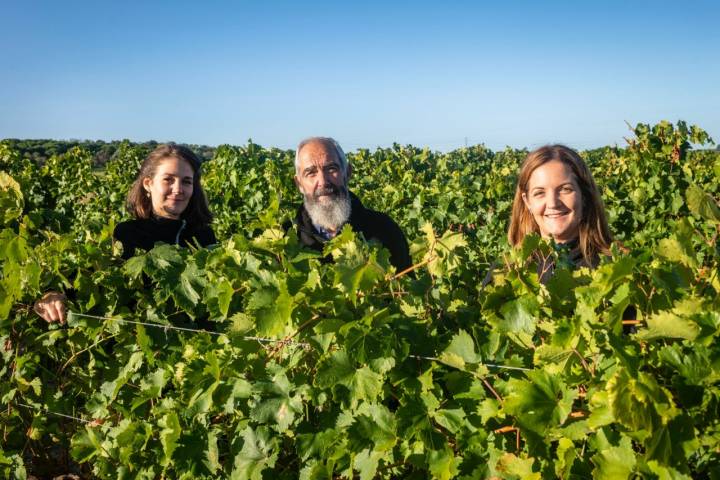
[297,182]
[348,172]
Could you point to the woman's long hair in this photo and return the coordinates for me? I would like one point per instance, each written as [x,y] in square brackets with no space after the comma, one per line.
[594,233]
[139,203]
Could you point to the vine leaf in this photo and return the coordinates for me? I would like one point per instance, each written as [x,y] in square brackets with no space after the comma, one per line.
[539,403]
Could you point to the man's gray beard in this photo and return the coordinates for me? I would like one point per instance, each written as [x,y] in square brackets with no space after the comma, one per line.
[329,215]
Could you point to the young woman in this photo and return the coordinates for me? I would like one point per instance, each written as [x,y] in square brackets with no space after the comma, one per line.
[557,197]
[168,205]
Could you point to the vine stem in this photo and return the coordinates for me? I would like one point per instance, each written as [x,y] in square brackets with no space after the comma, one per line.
[413,267]
[490,387]
[391,466]
[305,325]
[508,429]
[582,360]
[431,257]
[76,354]
[505,429]
[288,340]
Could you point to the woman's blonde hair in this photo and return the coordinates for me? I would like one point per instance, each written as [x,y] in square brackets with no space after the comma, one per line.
[594,236]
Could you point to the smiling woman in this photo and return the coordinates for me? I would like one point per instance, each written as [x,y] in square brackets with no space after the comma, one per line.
[557,197]
[171,187]
[168,205]
[554,199]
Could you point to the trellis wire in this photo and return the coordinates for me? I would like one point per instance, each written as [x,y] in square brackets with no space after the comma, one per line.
[195,330]
[492,365]
[78,419]
[265,340]
[247,337]
[192,330]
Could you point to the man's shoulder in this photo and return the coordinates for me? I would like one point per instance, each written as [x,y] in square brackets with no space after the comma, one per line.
[374,220]
[296,220]
[378,224]
[288,224]
[380,219]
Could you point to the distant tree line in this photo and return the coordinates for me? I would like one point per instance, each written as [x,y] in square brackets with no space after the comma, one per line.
[102,151]
[40,150]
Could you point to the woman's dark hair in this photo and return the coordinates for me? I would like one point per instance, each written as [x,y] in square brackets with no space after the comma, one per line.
[139,203]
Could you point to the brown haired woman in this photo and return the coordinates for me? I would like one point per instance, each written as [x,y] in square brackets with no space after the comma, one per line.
[557,198]
[169,206]
[168,203]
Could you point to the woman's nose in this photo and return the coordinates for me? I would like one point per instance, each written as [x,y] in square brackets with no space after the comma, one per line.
[553,200]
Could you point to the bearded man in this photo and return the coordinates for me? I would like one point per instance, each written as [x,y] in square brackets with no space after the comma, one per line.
[321,173]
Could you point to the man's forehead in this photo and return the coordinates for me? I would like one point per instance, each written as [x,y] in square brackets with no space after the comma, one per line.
[317,153]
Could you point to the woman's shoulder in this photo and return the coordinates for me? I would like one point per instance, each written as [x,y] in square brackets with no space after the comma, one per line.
[204,234]
[131,234]
[493,266]
[124,230]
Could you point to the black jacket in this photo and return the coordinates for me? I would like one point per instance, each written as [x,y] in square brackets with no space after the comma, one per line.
[569,255]
[373,225]
[143,234]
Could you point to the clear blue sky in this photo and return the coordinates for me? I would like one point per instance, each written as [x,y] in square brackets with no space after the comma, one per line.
[518,73]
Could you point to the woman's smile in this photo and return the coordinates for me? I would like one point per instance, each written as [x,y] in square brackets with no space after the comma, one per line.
[554,199]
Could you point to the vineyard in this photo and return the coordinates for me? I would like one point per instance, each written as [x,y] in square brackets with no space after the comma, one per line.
[349,369]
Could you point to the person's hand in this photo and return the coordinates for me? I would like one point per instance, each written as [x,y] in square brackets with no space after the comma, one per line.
[51,307]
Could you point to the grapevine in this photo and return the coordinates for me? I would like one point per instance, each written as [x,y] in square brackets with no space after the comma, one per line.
[350,369]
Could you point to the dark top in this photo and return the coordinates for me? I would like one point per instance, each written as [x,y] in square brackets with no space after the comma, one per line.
[144,233]
[373,225]
[569,255]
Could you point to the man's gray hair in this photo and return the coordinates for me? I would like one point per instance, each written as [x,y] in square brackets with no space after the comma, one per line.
[330,142]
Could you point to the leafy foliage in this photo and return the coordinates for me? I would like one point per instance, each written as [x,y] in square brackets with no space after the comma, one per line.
[373,374]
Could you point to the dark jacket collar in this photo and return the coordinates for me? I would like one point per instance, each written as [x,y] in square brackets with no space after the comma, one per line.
[164,221]
[569,255]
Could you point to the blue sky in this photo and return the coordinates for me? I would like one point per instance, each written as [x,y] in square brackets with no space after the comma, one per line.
[515,73]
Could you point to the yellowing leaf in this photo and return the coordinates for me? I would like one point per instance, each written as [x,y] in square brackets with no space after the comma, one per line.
[701,204]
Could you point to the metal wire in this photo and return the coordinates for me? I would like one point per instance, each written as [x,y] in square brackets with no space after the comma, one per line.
[195,330]
[266,340]
[45,410]
[491,365]
[192,330]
